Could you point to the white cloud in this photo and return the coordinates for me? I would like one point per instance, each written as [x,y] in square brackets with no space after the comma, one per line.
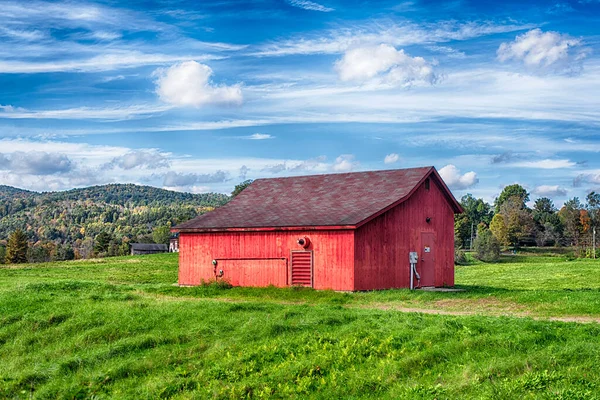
[592,178]
[545,164]
[65,165]
[35,163]
[447,51]
[542,49]
[391,158]
[455,180]
[344,163]
[309,5]
[176,179]
[392,66]
[339,40]
[188,84]
[258,136]
[243,172]
[148,159]
[294,166]
[275,168]
[104,62]
[114,114]
[549,190]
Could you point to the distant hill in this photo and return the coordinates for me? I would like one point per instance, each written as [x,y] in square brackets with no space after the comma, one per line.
[75,217]
[9,192]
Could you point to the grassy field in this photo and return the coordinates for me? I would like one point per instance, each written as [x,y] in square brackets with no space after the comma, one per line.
[118,328]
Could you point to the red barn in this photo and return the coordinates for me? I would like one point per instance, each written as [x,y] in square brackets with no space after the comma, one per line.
[350,231]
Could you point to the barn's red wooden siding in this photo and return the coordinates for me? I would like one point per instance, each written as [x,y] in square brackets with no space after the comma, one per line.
[382,245]
[333,252]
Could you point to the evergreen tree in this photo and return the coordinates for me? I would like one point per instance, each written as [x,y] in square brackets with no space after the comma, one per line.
[487,247]
[2,254]
[16,250]
[102,242]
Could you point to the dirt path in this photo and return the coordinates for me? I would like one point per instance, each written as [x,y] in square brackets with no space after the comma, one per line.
[489,312]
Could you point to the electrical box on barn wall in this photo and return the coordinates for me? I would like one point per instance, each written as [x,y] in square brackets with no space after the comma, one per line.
[413,257]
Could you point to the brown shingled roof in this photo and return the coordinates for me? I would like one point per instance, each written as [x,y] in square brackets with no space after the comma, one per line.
[340,200]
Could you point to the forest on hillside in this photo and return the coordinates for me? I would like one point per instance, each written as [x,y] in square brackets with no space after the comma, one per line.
[96,221]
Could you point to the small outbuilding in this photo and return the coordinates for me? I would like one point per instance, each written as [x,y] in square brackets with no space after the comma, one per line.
[350,231]
[174,243]
[148,248]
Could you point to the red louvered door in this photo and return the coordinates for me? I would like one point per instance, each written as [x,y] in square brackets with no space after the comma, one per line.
[302,263]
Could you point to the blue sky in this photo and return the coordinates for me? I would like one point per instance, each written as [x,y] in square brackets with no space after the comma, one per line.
[197,96]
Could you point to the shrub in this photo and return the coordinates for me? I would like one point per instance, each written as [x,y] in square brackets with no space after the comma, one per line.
[487,247]
[460,258]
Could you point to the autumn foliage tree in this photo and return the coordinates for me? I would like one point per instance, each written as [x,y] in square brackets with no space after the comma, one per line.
[518,220]
[570,217]
[499,229]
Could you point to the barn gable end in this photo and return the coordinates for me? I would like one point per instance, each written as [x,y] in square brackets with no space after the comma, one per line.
[382,245]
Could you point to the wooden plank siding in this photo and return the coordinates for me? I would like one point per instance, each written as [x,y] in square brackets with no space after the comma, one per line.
[333,257]
[382,245]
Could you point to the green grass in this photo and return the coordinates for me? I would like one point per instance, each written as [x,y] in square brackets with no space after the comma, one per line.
[117,328]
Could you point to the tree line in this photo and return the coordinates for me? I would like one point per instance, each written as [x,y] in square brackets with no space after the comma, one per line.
[96,221]
[511,223]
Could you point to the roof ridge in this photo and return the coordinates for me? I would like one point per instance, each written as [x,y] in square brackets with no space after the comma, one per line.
[345,173]
[344,200]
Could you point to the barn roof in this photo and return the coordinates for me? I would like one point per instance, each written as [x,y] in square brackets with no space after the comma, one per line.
[317,201]
[149,247]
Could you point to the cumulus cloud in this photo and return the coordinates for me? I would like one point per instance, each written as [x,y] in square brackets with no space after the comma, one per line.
[188,84]
[538,49]
[589,178]
[176,179]
[344,163]
[309,5]
[391,158]
[549,190]
[455,180]
[149,159]
[36,163]
[386,64]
